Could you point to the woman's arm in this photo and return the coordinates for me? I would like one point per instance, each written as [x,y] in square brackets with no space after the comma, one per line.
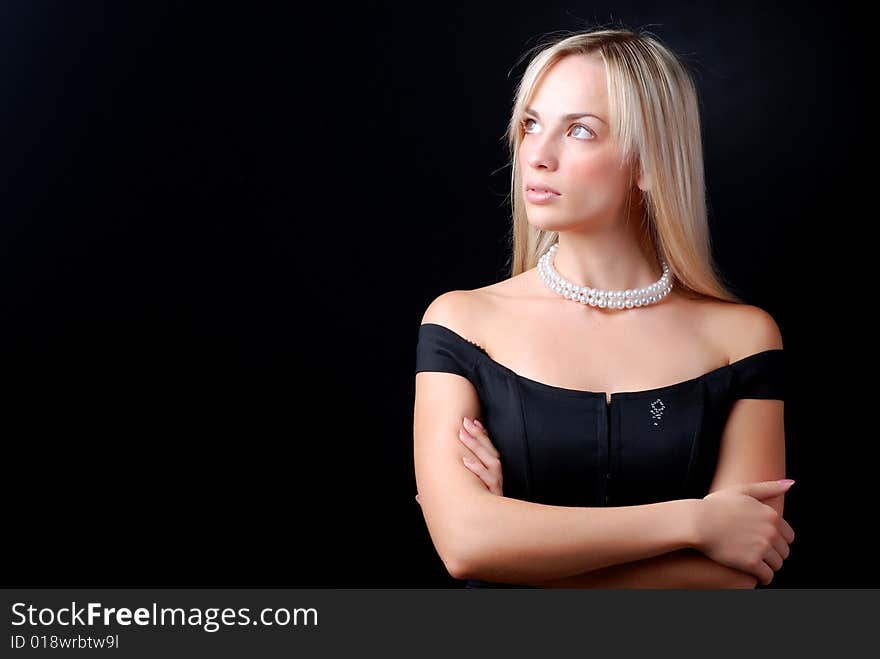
[482,536]
[516,541]
[684,568]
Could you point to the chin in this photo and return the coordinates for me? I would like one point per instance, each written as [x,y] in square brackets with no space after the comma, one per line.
[549,227]
[547,222]
[548,219]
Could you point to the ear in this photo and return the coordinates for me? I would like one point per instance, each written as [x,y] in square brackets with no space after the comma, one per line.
[643,181]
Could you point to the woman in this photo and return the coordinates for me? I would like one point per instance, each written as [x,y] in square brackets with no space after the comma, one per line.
[631,406]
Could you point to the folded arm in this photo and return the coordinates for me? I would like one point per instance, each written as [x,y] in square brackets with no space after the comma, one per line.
[482,536]
[684,568]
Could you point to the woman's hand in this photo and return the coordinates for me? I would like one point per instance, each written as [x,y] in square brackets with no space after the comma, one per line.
[735,529]
[488,465]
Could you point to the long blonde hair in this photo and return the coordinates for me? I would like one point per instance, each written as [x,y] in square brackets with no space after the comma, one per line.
[654,117]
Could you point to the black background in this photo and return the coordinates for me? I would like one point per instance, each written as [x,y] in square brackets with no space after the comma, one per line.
[221,226]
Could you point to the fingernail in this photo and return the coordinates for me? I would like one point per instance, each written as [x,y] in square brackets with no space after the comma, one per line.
[477,422]
[786,481]
[468,461]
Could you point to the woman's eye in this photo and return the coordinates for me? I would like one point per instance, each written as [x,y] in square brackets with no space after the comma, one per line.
[589,134]
[586,130]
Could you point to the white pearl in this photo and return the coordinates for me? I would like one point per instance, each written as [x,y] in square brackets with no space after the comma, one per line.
[627,299]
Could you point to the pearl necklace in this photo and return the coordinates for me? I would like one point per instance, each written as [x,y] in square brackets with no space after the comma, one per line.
[637,297]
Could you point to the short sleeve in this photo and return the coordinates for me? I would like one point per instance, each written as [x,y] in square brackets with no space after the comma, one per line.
[440,349]
[761,375]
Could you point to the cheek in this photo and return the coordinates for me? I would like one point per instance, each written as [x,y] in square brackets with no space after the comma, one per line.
[597,169]
[597,179]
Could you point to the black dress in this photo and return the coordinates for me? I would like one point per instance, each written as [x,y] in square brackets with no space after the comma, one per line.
[569,447]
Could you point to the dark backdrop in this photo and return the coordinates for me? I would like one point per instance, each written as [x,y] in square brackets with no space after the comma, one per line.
[222,224]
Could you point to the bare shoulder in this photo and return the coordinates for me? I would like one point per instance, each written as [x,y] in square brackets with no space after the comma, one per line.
[469,312]
[746,329]
[446,307]
[455,310]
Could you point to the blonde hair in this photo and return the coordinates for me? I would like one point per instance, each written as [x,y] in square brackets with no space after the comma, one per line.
[654,117]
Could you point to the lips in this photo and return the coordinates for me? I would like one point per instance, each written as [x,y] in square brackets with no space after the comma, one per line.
[540,187]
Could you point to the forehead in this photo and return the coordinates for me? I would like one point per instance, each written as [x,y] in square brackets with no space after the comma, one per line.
[574,83]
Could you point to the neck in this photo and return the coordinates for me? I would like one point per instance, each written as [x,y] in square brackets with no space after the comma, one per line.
[607,260]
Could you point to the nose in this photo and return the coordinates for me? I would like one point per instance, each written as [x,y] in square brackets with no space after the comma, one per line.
[539,153]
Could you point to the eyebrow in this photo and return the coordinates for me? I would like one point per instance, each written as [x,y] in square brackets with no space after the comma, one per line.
[567,117]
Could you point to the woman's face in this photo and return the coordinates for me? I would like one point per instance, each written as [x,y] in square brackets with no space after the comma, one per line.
[573,155]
